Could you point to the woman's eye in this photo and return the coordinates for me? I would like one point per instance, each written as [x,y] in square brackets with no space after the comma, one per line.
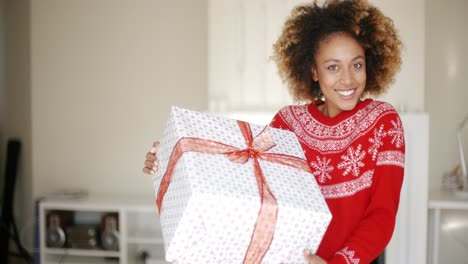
[358,65]
[333,67]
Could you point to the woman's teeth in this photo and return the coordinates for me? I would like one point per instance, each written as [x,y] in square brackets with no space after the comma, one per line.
[345,92]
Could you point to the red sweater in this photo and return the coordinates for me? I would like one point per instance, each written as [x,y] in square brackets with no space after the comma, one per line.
[357,159]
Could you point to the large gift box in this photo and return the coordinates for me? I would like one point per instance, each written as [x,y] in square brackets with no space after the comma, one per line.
[232,192]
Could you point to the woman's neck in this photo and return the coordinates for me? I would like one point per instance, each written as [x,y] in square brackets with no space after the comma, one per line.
[322,107]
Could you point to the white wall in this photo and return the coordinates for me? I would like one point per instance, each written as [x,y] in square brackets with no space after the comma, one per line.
[447,83]
[2,72]
[407,93]
[446,101]
[104,74]
[18,105]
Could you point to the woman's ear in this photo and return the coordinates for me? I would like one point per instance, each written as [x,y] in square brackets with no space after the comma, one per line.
[313,70]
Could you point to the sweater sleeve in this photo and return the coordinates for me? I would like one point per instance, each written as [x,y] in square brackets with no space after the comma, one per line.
[375,229]
[278,122]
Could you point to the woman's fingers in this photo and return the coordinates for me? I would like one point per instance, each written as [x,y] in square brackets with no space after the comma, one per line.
[151,163]
[150,167]
[155,147]
[148,171]
[150,156]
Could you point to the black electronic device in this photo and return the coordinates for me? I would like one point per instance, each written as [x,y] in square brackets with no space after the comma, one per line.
[8,229]
[82,236]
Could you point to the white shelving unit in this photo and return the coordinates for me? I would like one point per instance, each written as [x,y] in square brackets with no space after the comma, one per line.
[439,202]
[138,225]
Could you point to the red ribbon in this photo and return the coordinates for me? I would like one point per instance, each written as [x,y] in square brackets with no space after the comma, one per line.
[256,149]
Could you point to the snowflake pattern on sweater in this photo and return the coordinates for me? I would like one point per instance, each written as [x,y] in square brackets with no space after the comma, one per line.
[358,160]
[322,169]
[352,161]
[349,256]
[339,138]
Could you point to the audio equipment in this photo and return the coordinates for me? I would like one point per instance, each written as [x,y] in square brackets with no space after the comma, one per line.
[110,234]
[82,230]
[83,236]
[55,235]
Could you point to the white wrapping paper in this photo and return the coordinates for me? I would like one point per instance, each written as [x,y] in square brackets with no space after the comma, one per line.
[210,209]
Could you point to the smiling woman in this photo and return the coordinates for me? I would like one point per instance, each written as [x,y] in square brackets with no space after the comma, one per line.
[331,55]
[340,69]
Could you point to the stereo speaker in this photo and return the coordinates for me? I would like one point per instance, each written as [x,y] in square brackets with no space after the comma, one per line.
[110,234]
[55,234]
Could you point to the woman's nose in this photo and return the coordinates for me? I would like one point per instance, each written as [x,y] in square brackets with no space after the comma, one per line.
[346,76]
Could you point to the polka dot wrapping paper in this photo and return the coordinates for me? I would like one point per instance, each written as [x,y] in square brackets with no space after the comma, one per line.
[209,212]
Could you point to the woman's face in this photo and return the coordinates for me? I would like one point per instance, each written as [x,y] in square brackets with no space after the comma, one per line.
[340,69]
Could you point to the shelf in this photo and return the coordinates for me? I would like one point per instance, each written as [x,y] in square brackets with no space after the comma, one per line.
[82,252]
[138,224]
[145,240]
[156,261]
[447,200]
[101,203]
[67,259]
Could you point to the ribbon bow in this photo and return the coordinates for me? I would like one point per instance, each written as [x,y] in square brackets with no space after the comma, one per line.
[256,149]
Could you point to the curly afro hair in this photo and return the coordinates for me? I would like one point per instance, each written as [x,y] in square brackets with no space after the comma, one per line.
[311,23]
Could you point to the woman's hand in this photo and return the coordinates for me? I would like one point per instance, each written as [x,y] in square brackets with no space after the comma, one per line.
[151,163]
[313,259]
